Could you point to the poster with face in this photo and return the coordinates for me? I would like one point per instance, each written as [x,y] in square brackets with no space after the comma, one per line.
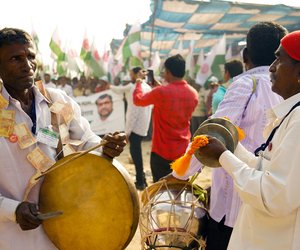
[104,111]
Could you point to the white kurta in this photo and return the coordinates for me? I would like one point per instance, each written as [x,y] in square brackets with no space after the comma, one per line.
[67,89]
[15,170]
[269,187]
[138,118]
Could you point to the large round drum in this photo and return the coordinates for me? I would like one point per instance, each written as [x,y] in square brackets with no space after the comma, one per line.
[99,204]
[173,216]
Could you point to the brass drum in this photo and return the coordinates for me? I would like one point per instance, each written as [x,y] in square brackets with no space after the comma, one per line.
[99,203]
[223,130]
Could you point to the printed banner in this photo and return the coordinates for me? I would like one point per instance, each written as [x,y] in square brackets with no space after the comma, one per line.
[104,111]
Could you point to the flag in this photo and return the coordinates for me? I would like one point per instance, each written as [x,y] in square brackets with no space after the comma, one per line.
[91,58]
[55,46]
[38,57]
[228,55]
[155,62]
[130,49]
[180,47]
[58,54]
[85,48]
[74,62]
[93,61]
[105,59]
[213,62]
[200,60]
[61,68]
[35,39]
[190,64]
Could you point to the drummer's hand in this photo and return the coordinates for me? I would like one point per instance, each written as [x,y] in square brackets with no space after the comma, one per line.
[213,149]
[26,216]
[170,178]
[115,144]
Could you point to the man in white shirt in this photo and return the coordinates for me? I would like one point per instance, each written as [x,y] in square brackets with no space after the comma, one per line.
[269,184]
[64,86]
[136,128]
[47,81]
[23,105]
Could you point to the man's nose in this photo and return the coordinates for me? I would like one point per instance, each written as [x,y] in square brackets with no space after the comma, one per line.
[28,65]
[272,67]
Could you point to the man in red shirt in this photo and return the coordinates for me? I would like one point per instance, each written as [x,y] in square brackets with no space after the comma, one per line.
[173,107]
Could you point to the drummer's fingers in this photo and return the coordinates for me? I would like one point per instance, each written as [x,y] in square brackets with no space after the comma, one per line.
[114,146]
[120,141]
[119,135]
[33,209]
[28,226]
[32,219]
[111,152]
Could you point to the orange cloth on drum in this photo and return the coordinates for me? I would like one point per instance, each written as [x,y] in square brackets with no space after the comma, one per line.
[181,164]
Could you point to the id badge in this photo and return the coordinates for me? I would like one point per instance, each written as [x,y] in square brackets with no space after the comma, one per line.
[48,137]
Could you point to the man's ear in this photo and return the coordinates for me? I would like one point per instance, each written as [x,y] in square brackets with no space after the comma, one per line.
[245,55]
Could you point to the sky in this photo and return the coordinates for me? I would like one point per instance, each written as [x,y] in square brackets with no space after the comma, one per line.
[103,20]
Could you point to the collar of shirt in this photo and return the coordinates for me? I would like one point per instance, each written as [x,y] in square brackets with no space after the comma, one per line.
[37,94]
[178,82]
[256,70]
[284,107]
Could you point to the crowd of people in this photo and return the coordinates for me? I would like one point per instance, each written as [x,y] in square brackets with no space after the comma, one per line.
[254,195]
[84,86]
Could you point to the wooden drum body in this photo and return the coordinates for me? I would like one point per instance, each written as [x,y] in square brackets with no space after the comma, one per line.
[99,203]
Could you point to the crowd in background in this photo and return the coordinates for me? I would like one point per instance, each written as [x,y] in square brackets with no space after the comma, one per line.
[209,96]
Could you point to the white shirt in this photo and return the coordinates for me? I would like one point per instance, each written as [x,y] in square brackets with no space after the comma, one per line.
[138,118]
[15,170]
[270,215]
[49,85]
[109,125]
[123,89]
[67,89]
[248,111]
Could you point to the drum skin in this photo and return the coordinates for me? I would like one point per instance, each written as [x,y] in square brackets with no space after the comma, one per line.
[99,203]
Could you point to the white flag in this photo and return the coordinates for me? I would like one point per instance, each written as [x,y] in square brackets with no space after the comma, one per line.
[213,62]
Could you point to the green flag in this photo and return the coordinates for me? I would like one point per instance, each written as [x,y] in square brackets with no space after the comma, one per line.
[58,54]
[131,50]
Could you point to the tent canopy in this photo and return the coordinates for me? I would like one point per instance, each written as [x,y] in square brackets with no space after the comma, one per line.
[175,23]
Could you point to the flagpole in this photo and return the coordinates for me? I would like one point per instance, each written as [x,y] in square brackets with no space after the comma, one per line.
[152,30]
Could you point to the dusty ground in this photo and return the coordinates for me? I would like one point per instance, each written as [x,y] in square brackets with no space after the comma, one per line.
[203,180]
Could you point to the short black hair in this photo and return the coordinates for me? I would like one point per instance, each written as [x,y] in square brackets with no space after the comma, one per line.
[176,65]
[234,68]
[263,39]
[136,70]
[10,36]
[101,97]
